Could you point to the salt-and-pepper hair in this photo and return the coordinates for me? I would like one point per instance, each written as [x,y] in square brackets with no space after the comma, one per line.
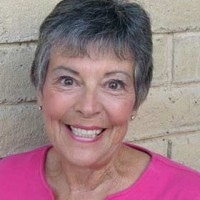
[77,27]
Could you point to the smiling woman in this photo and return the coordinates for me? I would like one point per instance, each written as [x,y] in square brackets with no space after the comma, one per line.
[93,101]
[92,70]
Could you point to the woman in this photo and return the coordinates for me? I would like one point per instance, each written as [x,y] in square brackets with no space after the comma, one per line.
[92,70]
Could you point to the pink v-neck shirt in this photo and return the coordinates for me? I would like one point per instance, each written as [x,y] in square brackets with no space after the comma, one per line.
[22,178]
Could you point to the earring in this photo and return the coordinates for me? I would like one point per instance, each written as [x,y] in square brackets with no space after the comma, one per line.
[40,108]
[132,117]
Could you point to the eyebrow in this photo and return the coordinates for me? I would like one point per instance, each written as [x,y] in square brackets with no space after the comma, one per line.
[69,69]
[65,68]
[118,72]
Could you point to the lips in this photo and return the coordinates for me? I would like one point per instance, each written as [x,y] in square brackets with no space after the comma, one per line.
[87,133]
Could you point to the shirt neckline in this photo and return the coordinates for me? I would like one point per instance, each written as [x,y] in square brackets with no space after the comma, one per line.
[144,176]
[132,187]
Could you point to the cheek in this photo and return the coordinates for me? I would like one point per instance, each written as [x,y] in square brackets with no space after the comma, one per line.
[120,110]
[53,110]
[119,120]
[54,105]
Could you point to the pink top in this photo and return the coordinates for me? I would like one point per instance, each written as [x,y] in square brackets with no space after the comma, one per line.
[22,178]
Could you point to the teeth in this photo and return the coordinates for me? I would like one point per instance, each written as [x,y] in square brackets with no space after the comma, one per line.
[85,133]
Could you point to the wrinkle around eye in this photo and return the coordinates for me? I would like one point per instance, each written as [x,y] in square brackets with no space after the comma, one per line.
[116,85]
[66,81]
[123,88]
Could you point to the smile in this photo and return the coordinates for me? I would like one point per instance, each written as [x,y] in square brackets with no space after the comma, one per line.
[83,133]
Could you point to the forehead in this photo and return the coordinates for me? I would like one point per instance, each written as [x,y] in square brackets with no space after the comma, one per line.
[95,67]
[102,60]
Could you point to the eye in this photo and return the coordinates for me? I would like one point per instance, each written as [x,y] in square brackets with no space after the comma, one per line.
[66,81]
[116,84]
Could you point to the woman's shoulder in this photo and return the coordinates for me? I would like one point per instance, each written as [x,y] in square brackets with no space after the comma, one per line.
[21,175]
[172,177]
[168,166]
[172,168]
[23,160]
[166,178]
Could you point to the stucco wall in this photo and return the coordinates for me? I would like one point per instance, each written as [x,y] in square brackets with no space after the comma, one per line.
[168,122]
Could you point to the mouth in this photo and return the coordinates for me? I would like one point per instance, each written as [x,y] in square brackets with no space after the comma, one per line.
[87,133]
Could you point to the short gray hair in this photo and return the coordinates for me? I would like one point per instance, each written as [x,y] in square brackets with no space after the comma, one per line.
[120,27]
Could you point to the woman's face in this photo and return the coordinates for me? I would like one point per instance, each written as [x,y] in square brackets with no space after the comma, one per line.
[87,103]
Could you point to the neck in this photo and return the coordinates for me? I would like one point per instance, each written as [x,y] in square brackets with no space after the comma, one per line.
[84,179]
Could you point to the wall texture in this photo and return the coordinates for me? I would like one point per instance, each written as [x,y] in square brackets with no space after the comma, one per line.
[168,122]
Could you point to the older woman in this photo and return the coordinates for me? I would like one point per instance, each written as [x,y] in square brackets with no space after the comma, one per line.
[92,70]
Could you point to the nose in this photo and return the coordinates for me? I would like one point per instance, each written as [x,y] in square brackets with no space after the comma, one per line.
[88,104]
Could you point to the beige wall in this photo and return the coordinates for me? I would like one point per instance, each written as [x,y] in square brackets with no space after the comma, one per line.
[169,120]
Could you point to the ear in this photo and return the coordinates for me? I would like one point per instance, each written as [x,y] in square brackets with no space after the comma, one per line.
[134,114]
